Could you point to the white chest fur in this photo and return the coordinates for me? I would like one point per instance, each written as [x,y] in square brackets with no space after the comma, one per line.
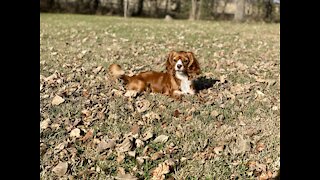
[185,83]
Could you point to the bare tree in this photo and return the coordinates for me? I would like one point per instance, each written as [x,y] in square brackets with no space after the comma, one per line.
[240,7]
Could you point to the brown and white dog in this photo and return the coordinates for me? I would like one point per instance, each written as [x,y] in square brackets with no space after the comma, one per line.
[181,67]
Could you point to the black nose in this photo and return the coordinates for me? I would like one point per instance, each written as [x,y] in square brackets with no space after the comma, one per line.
[179,66]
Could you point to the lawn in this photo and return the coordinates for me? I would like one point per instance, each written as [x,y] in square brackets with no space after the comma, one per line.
[89,129]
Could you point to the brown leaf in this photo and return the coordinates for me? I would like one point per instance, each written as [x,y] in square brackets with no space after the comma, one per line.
[130,93]
[140,160]
[161,139]
[87,136]
[97,70]
[261,167]
[121,157]
[75,133]
[146,150]
[260,146]
[86,112]
[146,136]
[57,100]
[121,171]
[85,93]
[135,129]
[139,143]
[103,145]
[159,172]
[125,146]
[142,105]
[125,177]
[263,176]
[214,113]
[61,168]
[218,150]
[45,124]
[176,113]
[157,155]
[132,153]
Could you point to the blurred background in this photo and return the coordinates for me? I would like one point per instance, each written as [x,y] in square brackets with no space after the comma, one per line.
[237,10]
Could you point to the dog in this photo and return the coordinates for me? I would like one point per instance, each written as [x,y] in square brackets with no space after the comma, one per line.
[181,68]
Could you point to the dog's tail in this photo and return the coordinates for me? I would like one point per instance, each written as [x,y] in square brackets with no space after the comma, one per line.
[116,71]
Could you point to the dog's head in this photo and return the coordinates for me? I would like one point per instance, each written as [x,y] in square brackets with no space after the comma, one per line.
[182,61]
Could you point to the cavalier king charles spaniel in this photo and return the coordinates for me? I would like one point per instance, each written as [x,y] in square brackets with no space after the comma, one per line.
[181,68]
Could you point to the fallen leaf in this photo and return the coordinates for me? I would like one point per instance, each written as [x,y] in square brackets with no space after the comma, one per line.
[132,153]
[87,136]
[183,159]
[121,171]
[146,136]
[131,93]
[86,112]
[139,143]
[263,176]
[103,145]
[57,100]
[251,165]
[45,124]
[125,177]
[75,133]
[223,79]
[121,157]
[61,168]
[176,113]
[135,129]
[261,167]
[260,146]
[142,105]
[214,113]
[159,172]
[218,150]
[157,155]
[97,70]
[161,139]
[146,150]
[85,93]
[140,160]
[125,146]
[241,123]
[58,148]
[150,117]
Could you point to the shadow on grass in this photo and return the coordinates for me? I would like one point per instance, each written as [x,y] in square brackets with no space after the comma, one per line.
[204,83]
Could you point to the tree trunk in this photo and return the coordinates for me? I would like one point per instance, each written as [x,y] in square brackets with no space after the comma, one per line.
[199,9]
[193,10]
[239,14]
[125,6]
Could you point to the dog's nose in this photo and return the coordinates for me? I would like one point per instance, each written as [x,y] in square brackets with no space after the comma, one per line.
[179,66]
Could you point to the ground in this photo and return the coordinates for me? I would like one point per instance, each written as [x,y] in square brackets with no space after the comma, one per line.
[91,128]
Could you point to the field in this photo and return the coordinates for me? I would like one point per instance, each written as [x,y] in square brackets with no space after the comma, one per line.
[91,129]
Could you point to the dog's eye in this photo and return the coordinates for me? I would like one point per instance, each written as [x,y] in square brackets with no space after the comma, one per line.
[186,60]
[174,60]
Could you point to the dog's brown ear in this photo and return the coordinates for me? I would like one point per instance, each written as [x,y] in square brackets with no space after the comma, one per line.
[193,66]
[169,62]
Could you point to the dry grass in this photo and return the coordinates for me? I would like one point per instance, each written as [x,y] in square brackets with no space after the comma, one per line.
[229,130]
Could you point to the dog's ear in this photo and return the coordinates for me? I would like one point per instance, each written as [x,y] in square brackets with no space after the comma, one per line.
[193,66]
[169,62]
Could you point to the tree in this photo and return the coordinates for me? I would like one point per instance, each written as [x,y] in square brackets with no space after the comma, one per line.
[240,7]
[125,8]
[195,9]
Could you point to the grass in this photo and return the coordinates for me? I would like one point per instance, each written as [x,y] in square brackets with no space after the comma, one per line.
[72,46]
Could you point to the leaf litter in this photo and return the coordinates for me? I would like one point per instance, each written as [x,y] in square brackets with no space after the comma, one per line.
[149,134]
